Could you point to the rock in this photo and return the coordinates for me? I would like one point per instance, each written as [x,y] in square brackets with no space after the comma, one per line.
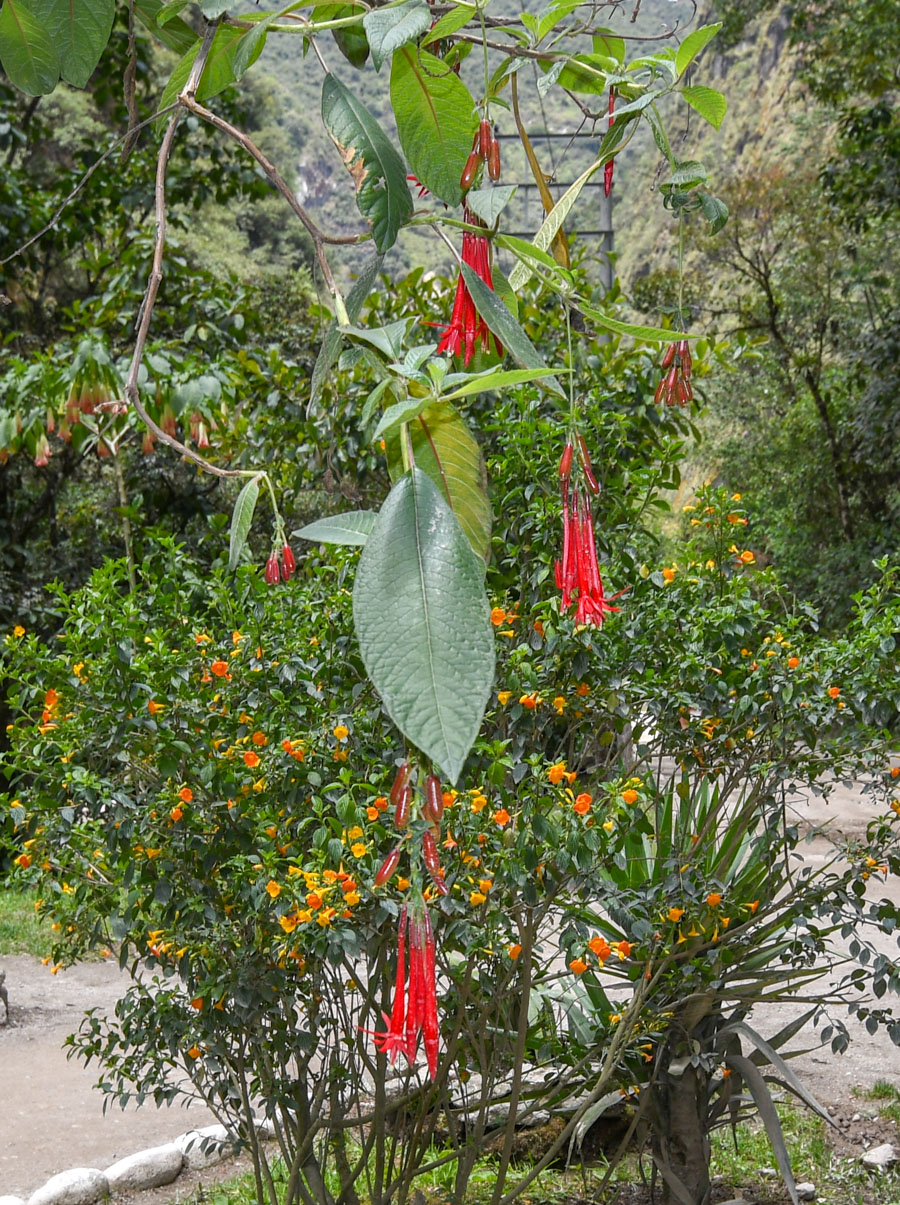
[806,1191]
[147,1169]
[203,1148]
[77,1186]
[879,1157]
[767,1173]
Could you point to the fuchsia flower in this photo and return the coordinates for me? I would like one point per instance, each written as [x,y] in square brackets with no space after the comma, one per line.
[675,384]
[414,1013]
[467,326]
[578,570]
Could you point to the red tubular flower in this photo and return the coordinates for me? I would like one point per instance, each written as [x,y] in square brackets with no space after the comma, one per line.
[273,576]
[414,1011]
[467,326]
[608,168]
[577,574]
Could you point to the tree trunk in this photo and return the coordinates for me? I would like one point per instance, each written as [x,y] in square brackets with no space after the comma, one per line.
[680,1141]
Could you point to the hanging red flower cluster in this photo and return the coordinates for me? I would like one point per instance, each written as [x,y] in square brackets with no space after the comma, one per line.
[578,569]
[675,385]
[414,1013]
[467,326]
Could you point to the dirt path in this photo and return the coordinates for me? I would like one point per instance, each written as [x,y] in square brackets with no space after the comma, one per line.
[51,1116]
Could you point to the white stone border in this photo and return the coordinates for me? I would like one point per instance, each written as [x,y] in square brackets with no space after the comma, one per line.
[151,1168]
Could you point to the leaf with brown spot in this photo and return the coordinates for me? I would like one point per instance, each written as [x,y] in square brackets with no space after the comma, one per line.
[378,171]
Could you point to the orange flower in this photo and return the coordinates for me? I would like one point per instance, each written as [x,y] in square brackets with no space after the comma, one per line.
[514,951]
[577,966]
[557,773]
[197,1003]
[675,914]
[668,576]
[714,899]
[747,558]
[273,889]
[381,803]
[582,689]
[630,796]
[251,759]
[833,692]
[23,860]
[600,946]
[176,814]
[751,908]
[530,702]
[623,949]
[153,707]
[498,616]
[287,746]
[219,668]
[313,900]
[259,738]
[583,803]
[186,795]
[372,813]
[501,817]
[195,1051]
[793,662]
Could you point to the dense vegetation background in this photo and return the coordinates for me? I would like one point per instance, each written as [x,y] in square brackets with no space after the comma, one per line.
[798,294]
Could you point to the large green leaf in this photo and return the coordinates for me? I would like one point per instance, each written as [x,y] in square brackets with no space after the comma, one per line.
[28,53]
[710,104]
[391,27]
[445,449]
[506,328]
[218,72]
[80,30]
[653,334]
[241,519]
[382,193]
[436,120]
[423,624]
[175,33]
[352,527]
[693,44]
[351,40]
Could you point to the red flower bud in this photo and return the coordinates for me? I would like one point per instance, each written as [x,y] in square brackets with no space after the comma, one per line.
[430,853]
[485,138]
[494,160]
[288,564]
[388,866]
[565,463]
[434,800]
[585,457]
[401,810]
[272,575]
[468,176]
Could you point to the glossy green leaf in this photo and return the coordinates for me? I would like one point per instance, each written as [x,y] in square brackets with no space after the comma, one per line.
[693,44]
[609,43]
[489,203]
[714,210]
[241,519]
[352,527]
[382,193]
[170,10]
[175,33]
[423,624]
[80,31]
[387,339]
[400,412]
[584,72]
[28,53]
[445,449]
[436,120]
[391,27]
[652,334]
[451,22]
[506,328]
[351,40]
[710,104]
[331,343]
[217,74]
[497,380]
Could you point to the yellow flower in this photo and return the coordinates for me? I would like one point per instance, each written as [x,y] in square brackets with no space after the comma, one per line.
[273,889]
[675,914]
[289,923]
[503,697]
[354,833]
[341,733]
[559,704]
[478,803]
[18,630]
[358,849]
[477,898]
[351,898]
[735,497]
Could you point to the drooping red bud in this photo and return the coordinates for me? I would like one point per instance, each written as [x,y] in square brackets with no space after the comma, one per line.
[485,138]
[565,462]
[400,780]
[388,866]
[430,853]
[468,176]
[494,160]
[401,809]
[434,799]
[585,457]
[288,564]
[273,577]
